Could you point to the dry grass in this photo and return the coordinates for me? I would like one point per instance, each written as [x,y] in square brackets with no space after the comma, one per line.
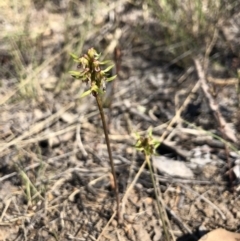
[57,189]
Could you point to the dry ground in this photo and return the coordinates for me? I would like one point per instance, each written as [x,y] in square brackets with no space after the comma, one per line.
[54,168]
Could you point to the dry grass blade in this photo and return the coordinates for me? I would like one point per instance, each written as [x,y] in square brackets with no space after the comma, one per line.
[129,189]
[36,128]
[63,189]
[7,203]
[79,141]
[206,200]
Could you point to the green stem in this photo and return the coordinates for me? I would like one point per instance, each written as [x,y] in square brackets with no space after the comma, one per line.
[161,208]
[99,103]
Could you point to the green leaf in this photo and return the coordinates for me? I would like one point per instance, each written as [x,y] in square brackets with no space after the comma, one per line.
[108,68]
[95,88]
[111,78]
[97,56]
[156,144]
[150,131]
[75,73]
[136,135]
[88,92]
[74,56]
[104,62]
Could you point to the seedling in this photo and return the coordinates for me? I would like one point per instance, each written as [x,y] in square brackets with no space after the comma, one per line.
[92,73]
[147,144]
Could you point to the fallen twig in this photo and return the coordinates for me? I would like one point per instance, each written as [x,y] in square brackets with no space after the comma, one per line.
[224,126]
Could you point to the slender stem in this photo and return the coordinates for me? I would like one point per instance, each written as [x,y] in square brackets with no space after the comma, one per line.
[99,103]
[161,208]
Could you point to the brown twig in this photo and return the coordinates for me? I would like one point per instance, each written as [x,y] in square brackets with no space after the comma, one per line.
[225,129]
[224,126]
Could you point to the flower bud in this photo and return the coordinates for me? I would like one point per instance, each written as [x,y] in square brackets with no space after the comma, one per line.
[91,53]
[84,62]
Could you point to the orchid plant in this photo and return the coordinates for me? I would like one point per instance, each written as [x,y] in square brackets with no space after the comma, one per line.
[92,72]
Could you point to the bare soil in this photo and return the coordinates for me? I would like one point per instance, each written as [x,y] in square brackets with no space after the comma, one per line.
[55,175]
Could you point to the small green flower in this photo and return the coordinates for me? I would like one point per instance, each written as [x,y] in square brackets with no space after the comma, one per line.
[147,144]
[92,53]
[91,71]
